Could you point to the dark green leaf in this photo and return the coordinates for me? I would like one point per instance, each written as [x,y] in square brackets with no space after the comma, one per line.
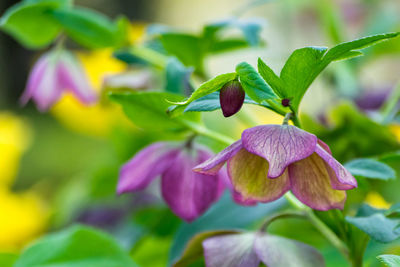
[253,84]
[177,77]
[30,22]
[194,248]
[227,45]
[271,78]
[390,260]
[211,102]
[377,226]
[77,246]
[370,168]
[90,28]
[148,110]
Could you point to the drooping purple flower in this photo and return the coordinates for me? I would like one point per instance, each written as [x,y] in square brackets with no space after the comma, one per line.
[249,249]
[55,72]
[270,160]
[188,194]
[231,98]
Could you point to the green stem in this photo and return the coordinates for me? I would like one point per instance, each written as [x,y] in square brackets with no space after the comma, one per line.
[204,131]
[281,215]
[318,224]
[153,57]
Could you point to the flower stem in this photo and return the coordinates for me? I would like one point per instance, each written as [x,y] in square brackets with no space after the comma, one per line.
[281,215]
[318,224]
[204,131]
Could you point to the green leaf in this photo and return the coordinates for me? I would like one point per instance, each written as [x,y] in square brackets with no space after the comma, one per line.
[227,45]
[305,64]
[206,88]
[390,260]
[250,28]
[341,49]
[7,259]
[148,110]
[299,71]
[370,168]
[31,24]
[78,246]
[177,77]
[194,248]
[271,78]
[253,84]
[377,226]
[186,47]
[90,28]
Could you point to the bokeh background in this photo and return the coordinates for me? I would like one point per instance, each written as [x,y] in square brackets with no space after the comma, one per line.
[61,167]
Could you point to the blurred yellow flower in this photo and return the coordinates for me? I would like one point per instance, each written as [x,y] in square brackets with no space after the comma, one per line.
[22,215]
[375,200]
[14,139]
[395,129]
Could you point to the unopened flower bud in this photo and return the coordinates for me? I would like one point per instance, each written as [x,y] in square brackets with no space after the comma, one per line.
[231,98]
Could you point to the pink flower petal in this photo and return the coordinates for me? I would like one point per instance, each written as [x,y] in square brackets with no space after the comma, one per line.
[310,183]
[189,194]
[341,179]
[145,166]
[72,77]
[234,250]
[280,145]
[214,164]
[248,173]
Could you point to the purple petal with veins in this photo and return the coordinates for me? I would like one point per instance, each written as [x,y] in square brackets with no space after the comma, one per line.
[145,166]
[280,145]
[189,194]
[214,164]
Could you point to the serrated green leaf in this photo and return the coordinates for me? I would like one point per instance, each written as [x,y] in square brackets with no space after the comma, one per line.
[370,168]
[41,28]
[253,84]
[78,246]
[271,78]
[390,260]
[148,110]
[90,28]
[194,248]
[377,226]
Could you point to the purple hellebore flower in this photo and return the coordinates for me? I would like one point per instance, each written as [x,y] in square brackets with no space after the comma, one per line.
[188,194]
[249,249]
[270,160]
[55,72]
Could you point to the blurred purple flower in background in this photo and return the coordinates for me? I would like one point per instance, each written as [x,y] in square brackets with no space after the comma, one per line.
[55,72]
[188,194]
[270,160]
[249,249]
